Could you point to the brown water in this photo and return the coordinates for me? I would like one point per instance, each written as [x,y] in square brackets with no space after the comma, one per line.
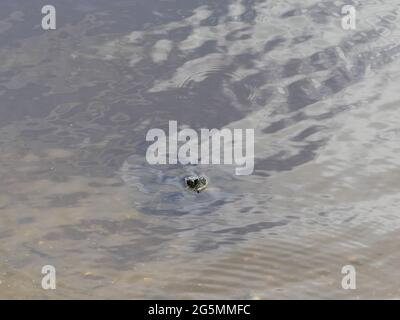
[76,191]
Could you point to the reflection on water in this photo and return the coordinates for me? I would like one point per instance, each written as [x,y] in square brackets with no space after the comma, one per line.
[77,193]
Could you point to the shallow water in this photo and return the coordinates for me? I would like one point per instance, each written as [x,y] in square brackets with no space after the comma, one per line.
[76,191]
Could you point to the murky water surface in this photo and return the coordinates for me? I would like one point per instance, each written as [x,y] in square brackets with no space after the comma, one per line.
[76,191]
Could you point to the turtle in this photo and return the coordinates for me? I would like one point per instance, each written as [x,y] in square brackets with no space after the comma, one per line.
[172,188]
[196,183]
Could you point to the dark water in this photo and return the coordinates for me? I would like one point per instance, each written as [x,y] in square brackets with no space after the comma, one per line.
[76,191]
